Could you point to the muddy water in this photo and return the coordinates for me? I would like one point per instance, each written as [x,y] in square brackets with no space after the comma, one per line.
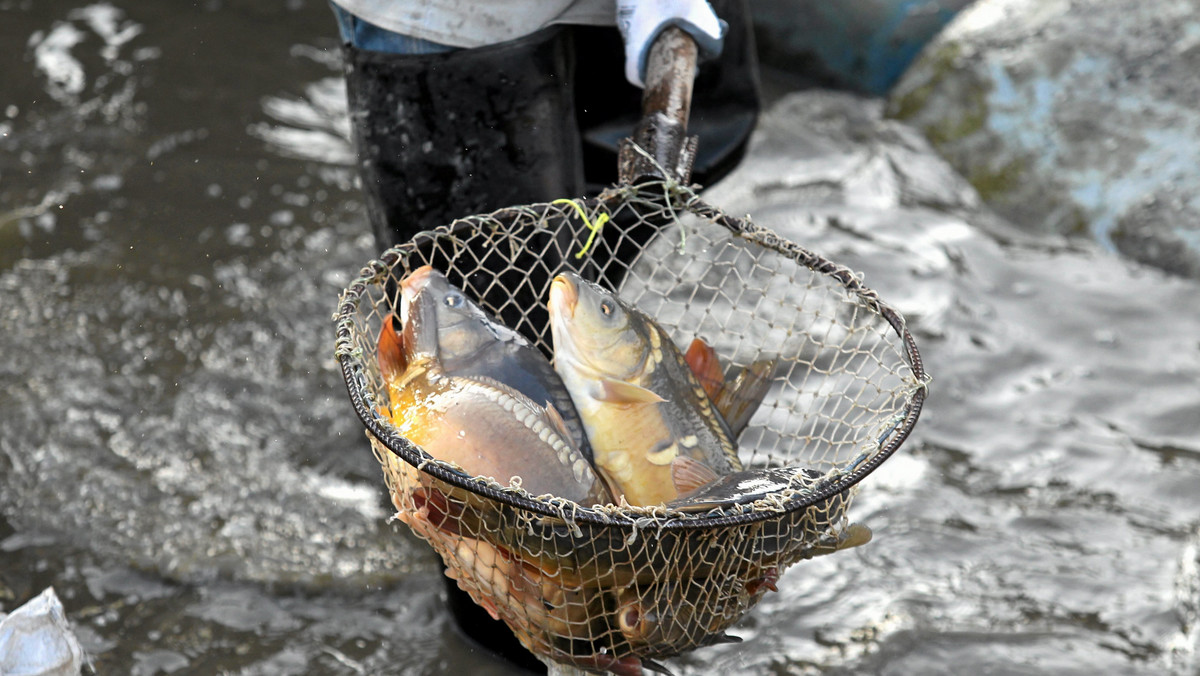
[178,457]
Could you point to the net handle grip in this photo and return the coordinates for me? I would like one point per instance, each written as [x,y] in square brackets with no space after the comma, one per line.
[666,106]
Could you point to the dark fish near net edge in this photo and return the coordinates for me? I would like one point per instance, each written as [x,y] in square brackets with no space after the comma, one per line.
[474,343]
[747,486]
[479,424]
[550,614]
[666,613]
[653,430]
[819,522]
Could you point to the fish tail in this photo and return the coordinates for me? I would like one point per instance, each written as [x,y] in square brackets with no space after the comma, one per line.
[741,396]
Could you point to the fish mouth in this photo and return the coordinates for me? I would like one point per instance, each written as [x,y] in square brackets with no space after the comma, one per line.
[563,297]
[410,286]
[416,280]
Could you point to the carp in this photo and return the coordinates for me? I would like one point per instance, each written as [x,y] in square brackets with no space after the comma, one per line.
[654,432]
[474,343]
[481,425]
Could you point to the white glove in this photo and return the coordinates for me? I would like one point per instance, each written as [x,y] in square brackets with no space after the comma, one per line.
[640,21]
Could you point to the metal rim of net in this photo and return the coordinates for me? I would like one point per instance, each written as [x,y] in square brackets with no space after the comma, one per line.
[351,362]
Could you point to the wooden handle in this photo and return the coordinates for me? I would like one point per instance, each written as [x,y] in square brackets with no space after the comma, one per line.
[666,105]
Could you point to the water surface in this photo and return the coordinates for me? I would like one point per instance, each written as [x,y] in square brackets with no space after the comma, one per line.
[179,459]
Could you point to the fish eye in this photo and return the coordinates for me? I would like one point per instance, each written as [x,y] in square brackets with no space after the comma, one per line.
[453,299]
[606,308]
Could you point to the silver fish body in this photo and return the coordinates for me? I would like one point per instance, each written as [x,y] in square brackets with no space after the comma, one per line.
[473,343]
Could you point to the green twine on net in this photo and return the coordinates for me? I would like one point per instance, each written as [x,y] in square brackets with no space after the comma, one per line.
[594,227]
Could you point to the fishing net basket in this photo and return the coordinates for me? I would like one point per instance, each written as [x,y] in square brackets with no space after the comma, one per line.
[603,588]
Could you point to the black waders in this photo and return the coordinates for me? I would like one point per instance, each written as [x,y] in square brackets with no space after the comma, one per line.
[441,136]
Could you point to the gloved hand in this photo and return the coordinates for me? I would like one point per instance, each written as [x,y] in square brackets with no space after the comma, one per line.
[640,21]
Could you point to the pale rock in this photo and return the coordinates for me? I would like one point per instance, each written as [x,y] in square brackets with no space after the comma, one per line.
[1075,117]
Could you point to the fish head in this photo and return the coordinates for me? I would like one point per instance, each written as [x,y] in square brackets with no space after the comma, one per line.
[663,613]
[596,333]
[464,329]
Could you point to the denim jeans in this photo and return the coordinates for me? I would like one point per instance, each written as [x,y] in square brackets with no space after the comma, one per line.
[366,35]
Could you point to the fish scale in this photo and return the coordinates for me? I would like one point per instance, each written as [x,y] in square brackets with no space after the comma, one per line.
[700,396]
[473,343]
[525,412]
[679,371]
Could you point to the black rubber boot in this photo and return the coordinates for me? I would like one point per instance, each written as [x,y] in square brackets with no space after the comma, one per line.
[441,136]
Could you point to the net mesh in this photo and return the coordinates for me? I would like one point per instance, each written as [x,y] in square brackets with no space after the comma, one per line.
[611,588]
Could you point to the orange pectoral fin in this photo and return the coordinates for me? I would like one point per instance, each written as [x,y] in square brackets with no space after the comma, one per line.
[705,364]
[690,474]
[389,350]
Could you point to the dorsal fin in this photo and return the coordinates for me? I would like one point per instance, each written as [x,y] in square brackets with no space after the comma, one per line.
[557,422]
[706,365]
[741,396]
[690,474]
